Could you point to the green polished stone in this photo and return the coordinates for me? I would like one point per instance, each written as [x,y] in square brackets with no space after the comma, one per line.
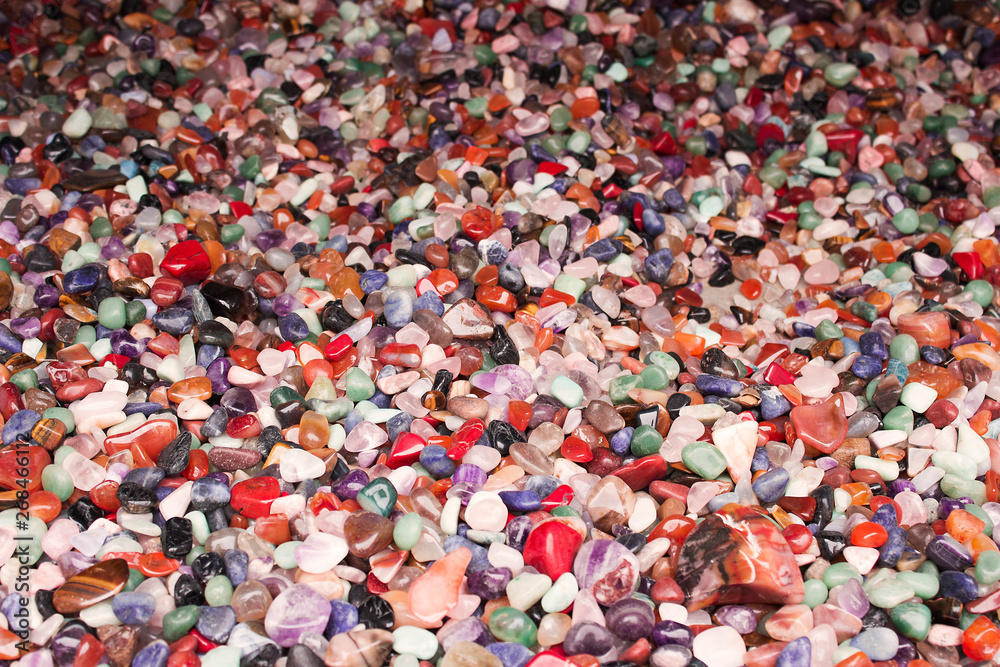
[838,574]
[912,620]
[827,329]
[57,480]
[219,591]
[704,459]
[378,496]
[988,568]
[407,531]
[359,386]
[646,441]
[620,386]
[178,622]
[816,593]
[511,625]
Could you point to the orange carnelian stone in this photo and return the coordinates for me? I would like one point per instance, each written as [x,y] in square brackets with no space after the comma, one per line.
[981,640]
[963,526]
[44,505]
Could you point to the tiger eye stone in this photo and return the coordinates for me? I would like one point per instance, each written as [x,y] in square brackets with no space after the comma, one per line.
[95,584]
[49,433]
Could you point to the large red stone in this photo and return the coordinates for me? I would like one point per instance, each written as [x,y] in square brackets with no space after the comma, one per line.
[551,548]
[12,468]
[737,556]
[187,261]
[253,497]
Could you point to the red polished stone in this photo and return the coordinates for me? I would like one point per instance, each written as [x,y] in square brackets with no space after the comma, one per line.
[576,450]
[465,437]
[253,497]
[153,436]
[639,473]
[141,265]
[10,400]
[245,426]
[188,262]
[737,556]
[14,474]
[405,450]
[563,495]
[551,548]
[970,263]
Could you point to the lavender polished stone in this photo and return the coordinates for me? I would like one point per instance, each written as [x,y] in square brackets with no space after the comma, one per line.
[630,619]
[489,583]
[850,597]
[348,486]
[522,385]
[297,610]
[589,638]
[739,618]
[466,630]
[672,633]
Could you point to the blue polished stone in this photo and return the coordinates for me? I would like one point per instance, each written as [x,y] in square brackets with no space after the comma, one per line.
[604,250]
[933,355]
[621,441]
[760,460]
[148,477]
[84,279]
[8,340]
[718,386]
[872,344]
[521,501]
[658,265]
[892,550]
[208,493]
[492,252]
[773,403]
[19,426]
[373,281]
[153,655]
[653,223]
[770,486]
[434,458]
[143,408]
[885,516]
[237,561]
[674,200]
[398,424]
[797,653]
[899,369]
[510,654]
[866,367]
[216,423]
[174,321]
[429,301]
[958,585]
[803,330]
[398,309]
[215,623]
[293,327]
[343,617]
